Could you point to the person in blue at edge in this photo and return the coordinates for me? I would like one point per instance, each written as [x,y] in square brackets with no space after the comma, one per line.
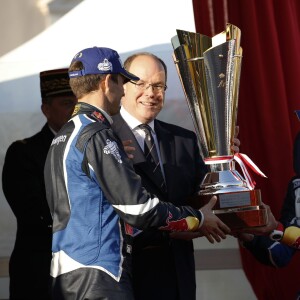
[94,194]
[278,248]
[24,189]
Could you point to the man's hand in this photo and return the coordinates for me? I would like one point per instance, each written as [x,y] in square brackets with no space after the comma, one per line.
[236,142]
[128,149]
[212,228]
[264,230]
[247,234]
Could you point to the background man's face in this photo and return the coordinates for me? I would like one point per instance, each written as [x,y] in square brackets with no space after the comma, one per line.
[59,110]
[145,104]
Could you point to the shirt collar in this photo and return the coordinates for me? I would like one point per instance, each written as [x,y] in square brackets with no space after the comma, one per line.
[52,130]
[106,115]
[132,122]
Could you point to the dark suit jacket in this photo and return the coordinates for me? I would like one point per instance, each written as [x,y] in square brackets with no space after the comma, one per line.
[297,154]
[24,188]
[164,268]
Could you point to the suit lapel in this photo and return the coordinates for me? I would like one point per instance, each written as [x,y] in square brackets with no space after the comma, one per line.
[166,143]
[124,132]
[139,161]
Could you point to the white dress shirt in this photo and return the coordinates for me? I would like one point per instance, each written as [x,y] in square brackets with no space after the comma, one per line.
[139,133]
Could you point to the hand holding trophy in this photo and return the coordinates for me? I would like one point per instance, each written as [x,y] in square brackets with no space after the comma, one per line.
[209,71]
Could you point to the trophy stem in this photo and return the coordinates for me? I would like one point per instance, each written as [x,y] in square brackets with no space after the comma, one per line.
[219,167]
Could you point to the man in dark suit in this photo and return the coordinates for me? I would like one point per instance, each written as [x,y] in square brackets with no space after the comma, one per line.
[163,265]
[23,187]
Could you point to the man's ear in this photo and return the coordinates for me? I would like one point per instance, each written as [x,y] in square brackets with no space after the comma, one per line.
[45,109]
[105,84]
[124,97]
[125,86]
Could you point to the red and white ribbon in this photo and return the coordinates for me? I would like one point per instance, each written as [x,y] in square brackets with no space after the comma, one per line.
[243,160]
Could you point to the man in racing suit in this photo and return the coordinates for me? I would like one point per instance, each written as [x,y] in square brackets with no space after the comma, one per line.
[278,249]
[92,189]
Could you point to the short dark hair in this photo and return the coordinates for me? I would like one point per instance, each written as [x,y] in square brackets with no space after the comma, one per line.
[83,85]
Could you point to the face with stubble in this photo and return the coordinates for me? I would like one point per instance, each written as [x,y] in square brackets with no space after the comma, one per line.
[144,100]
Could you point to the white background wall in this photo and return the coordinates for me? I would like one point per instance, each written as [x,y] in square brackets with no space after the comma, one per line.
[219,273]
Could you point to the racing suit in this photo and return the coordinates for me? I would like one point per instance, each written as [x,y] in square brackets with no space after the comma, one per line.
[91,190]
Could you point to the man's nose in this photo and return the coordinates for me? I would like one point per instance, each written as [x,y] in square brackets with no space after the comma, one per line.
[149,89]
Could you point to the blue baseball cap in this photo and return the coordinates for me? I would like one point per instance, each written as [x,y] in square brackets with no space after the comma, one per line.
[100,60]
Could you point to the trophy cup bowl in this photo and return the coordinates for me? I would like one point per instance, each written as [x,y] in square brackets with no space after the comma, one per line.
[209,71]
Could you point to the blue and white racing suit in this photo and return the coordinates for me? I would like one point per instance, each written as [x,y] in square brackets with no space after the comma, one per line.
[91,190]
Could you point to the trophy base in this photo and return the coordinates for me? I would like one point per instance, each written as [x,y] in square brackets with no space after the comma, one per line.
[245,218]
[238,210]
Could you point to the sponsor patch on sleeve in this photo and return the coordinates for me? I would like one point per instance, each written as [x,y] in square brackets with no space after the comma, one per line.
[112,148]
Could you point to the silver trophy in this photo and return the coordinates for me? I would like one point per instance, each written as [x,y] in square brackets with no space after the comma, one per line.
[209,71]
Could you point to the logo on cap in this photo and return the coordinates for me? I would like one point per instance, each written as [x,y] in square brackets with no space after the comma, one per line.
[78,55]
[106,65]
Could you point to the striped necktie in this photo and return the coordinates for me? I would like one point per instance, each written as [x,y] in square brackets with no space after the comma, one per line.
[151,155]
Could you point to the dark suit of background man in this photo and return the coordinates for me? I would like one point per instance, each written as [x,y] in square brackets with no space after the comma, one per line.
[23,187]
[163,267]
